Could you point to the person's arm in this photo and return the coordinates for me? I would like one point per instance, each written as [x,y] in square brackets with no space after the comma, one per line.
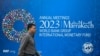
[23,45]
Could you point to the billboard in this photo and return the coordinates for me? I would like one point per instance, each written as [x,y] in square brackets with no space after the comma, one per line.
[63,27]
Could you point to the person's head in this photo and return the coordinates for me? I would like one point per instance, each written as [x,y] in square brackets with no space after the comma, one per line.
[31,28]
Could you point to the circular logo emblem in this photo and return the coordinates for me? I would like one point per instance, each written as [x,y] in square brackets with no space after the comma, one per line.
[15,23]
[87,47]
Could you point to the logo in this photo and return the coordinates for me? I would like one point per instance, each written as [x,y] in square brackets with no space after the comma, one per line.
[87,47]
[13,22]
